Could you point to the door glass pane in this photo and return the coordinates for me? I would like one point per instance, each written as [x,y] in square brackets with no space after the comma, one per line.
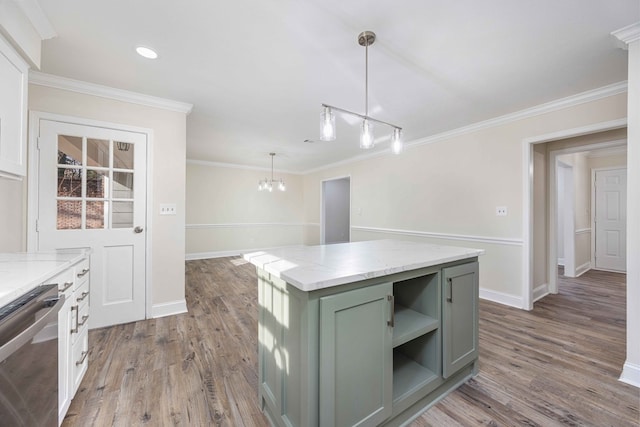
[97,212]
[122,185]
[122,155]
[69,182]
[69,150]
[97,184]
[97,152]
[69,215]
[122,215]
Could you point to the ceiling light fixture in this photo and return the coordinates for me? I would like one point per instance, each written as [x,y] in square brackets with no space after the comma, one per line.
[328,118]
[267,184]
[146,52]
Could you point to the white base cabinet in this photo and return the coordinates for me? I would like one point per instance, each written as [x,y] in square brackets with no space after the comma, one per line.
[377,352]
[73,337]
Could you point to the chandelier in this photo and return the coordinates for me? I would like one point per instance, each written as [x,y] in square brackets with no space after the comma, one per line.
[328,118]
[267,184]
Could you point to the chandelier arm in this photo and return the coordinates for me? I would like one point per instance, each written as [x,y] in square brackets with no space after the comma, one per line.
[342,110]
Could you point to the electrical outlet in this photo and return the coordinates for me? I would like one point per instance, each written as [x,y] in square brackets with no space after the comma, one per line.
[168,209]
[501,211]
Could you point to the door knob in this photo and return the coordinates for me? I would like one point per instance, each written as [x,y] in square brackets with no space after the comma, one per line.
[138,229]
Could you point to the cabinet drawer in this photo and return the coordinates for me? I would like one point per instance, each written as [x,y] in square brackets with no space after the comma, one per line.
[80,321]
[82,273]
[80,360]
[81,295]
[64,281]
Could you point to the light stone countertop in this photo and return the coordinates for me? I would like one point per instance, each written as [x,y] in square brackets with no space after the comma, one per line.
[21,272]
[311,268]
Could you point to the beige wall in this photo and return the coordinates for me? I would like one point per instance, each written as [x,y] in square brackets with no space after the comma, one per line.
[227,214]
[166,180]
[12,215]
[451,187]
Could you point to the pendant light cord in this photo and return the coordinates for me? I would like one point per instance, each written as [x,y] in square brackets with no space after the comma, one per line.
[366,79]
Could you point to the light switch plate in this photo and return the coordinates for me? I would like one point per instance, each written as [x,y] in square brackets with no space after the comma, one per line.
[168,209]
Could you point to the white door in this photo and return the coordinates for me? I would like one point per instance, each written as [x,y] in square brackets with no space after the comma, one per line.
[611,219]
[91,194]
[336,211]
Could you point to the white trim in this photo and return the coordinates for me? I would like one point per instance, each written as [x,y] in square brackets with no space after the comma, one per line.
[581,269]
[561,262]
[236,166]
[223,254]
[540,292]
[246,224]
[169,308]
[628,34]
[57,82]
[501,298]
[32,10]
[527,195]
[583,231]
[620,151]
[631,374]
[558,104]
[427,234]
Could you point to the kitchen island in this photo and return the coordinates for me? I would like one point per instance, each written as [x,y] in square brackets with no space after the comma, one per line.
[365,333]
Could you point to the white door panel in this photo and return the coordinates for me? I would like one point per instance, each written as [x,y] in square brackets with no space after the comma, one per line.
[92,194]
[610,219]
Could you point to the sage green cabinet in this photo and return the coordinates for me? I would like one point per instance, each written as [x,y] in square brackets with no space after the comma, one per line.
[356,357]
[375,352]
[459,317]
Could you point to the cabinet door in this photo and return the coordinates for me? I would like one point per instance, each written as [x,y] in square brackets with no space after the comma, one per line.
[13,111]
[460,317]
[356,361]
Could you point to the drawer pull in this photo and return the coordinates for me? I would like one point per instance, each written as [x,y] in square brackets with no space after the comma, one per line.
[82,359]
[82,297]
[82,274]
[75,308]
[450,297]
[66,286]
[84,320]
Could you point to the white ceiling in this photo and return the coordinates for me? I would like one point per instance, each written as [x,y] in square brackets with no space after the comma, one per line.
[257,71]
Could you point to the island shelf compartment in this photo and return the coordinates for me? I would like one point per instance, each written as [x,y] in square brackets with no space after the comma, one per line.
[416,307]
[416,368]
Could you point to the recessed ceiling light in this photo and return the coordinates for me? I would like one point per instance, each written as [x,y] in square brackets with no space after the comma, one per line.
[146,52]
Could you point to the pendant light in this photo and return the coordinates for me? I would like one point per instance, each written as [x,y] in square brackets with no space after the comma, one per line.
[267,184]
[328,120]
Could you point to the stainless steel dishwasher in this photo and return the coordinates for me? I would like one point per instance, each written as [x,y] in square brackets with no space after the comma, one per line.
[29,358]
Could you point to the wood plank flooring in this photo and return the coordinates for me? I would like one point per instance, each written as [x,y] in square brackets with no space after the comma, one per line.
[556,365]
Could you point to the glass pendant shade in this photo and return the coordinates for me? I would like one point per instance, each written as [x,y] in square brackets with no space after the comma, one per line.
[281,186]
[366,134]
[396,141]
[327,125]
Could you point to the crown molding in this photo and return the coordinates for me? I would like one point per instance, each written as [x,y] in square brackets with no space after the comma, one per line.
[559,104]
[37,17]
[57,82]
[628,34]
[237,166]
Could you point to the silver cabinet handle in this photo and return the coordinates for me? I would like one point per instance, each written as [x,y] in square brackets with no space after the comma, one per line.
[84,320]
[391,322]
[82,297]
[82,274]
[450,297]
[138,229]
[66,286]
[84,356]
[75,308]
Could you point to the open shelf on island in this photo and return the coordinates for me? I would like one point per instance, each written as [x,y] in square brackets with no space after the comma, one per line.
[410,324]
[408,376]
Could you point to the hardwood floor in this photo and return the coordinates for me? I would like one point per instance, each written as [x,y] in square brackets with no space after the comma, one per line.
[555,365]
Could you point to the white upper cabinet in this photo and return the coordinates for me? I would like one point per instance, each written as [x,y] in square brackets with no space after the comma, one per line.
[13,112]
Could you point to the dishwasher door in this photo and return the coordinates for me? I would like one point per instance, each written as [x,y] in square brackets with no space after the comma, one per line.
[29,358]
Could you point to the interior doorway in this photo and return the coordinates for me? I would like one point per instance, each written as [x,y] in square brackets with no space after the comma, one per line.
[335,224]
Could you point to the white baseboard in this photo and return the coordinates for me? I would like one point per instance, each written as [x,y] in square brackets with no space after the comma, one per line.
[169,308]
[502,298]
[540,291]
[561,262]
[631,374]
[583,268]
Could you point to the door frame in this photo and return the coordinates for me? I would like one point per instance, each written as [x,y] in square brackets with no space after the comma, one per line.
[593,210]
[569,225]
[322,205]
[33,195]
